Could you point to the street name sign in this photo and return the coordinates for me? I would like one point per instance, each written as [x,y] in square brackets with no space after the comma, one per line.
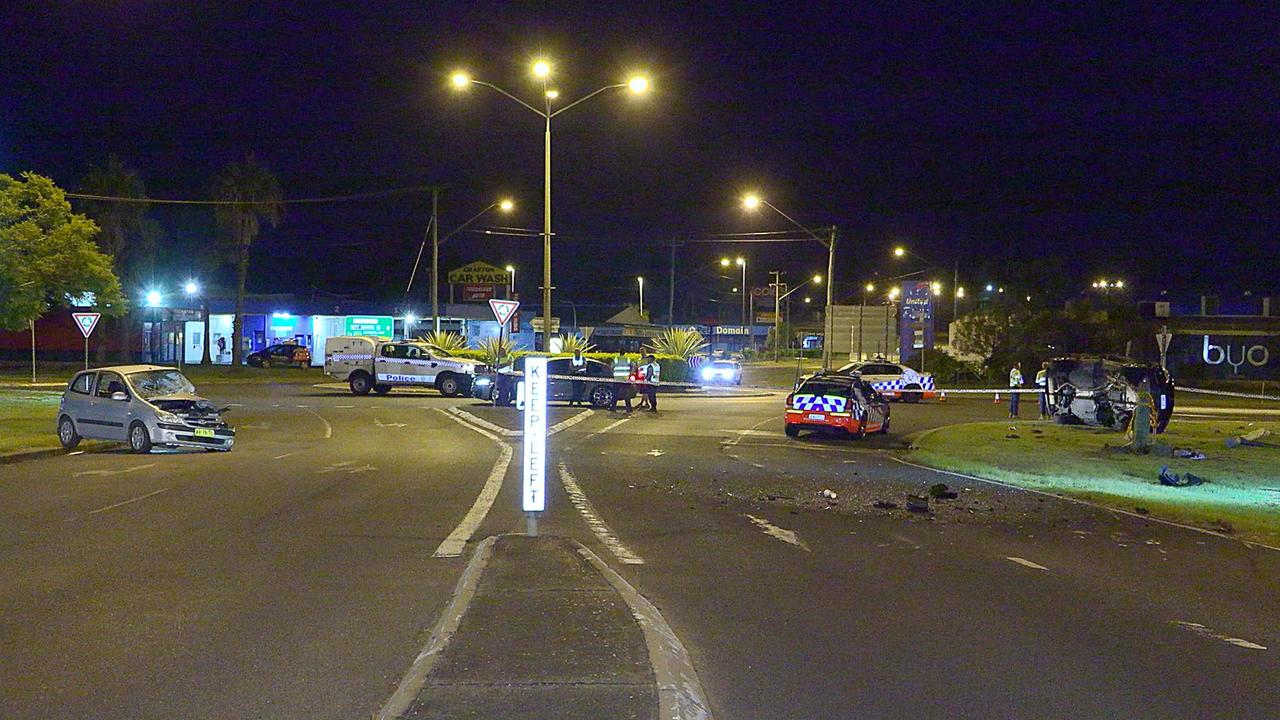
[86,322]
[534,492]
[369,325]
[503,309]
[537,324]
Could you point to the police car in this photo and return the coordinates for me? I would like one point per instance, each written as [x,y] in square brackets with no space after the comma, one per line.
[843,403]
[893,380]
[380,364]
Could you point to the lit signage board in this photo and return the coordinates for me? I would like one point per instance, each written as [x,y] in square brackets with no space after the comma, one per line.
[535,434]
[370,325]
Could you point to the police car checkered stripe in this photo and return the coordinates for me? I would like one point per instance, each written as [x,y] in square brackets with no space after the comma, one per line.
[819,403]
[925,383]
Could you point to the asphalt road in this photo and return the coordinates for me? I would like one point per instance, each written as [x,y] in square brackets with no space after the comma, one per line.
[297,576]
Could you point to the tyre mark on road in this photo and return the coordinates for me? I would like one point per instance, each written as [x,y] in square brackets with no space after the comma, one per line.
[457,540]
[328,429]
[786,536]
[598,526]
[1203,631]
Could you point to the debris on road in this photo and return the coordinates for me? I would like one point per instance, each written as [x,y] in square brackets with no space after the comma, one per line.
[1188,454]
[1252,439]
[829,494]
[917,504]
[940,491]
[884,505]
[1170,479]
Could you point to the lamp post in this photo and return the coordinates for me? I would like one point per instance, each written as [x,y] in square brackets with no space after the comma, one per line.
[742,263]
[640,281]
[505,205]
[752,202]
[511,283]
[542,70]
[154,298]
[900,251]
[192,289]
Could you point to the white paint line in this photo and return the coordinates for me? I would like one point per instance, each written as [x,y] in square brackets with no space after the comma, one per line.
[757,465]
[235,404]
[569,422]
[407,691]
[1203,631]
[288,454]
[73,454]
[344,407]
[656,453]
[754,433]
[786,536]
[126,502]
[1078,501]
[457,540]
[602,531]
[680,694]
[125,471]
[1026,563]
[328,429]
[606,428]
[492,427]
[303,406]
[743,433]
[379,423]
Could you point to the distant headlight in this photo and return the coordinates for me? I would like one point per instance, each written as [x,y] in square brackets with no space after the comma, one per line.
[708,373]
[482,381]
[168,417]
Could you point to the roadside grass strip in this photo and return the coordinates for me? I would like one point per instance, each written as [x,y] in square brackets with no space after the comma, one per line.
[27,420]
[1240,499]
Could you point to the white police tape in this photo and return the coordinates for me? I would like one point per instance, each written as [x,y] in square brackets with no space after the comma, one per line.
[1227,393]
[598,379]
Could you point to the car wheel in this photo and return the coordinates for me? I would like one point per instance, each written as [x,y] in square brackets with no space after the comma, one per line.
[601,396]
[67,434]
[792,431]
[884,426]
[139,439]
[360,383]
[382,389]
[448,385]
[911,397]
[266,362]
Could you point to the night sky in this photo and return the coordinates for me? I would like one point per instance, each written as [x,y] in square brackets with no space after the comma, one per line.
[1122,139]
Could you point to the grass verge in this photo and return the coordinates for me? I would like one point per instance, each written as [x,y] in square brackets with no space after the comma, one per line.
[1241,497]
[27,420]
[60,374]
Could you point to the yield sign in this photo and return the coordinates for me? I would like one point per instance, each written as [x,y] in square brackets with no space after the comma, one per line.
[503,309]
[86,322]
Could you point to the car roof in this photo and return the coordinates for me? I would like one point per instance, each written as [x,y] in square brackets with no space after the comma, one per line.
[126,369]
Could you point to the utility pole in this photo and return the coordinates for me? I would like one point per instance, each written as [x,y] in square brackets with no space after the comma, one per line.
[671,288]
[777,314]
[828,321]
[435,257]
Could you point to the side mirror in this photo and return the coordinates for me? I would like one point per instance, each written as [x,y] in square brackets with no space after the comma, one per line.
[119,396]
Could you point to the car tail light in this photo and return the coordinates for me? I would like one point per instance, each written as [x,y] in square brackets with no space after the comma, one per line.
[790,398]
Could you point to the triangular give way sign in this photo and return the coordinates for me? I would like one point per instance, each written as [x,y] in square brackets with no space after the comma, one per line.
[503,309]
[86,322]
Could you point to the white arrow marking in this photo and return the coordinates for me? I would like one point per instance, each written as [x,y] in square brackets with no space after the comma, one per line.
[1027,563]
[787,536]
[656,453]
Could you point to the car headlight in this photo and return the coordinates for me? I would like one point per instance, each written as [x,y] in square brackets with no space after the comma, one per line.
[707,373]
[168,417]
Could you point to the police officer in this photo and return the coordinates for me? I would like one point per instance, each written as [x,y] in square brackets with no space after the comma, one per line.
[1042,382]
[1015,381]
[652,376]
[579,367]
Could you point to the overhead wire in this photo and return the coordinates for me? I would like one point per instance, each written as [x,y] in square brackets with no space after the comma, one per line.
[295,201]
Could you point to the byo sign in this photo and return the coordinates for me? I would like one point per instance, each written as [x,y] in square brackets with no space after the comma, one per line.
[1256,355]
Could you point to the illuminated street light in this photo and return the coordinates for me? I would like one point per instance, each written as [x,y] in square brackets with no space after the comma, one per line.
[511,287]
[1120,284]
[871,287]
[893,293]
[640,281]
[724,262]
[959,292]
[506,205]
[154,298]
[541,68]
[899,251]
[409,319]
[817,279]
[808,299]
[191,288]
[742,263]
[990,287]
[936,287]
[751,202]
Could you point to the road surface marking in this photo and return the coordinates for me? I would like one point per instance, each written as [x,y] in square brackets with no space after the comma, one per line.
[381,424]
[493,427]
[656,453]
[344,407]
[680,694]
[757,465]
[126,502]
[288,454]
[328,429]
[1203,631]
[754,433]
[787,536]
[125,471]
[743,433]
[443,631]
[569,422]
[602,531]
[606,428]
[457,540]
[1077,501]
[1026,563]
[304,406]
[73,454]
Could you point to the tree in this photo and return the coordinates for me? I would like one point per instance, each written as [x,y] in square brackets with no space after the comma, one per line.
[126,234]
[47,253]
[255,197]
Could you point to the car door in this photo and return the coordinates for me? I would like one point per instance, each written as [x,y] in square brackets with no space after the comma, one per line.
[423,364]
[559,389]
[388,366]
[77,403]
[109,417]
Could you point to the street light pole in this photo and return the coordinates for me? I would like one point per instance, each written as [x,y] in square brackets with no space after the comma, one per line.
[435,257]
[640,280]
[743,263]
[546,238]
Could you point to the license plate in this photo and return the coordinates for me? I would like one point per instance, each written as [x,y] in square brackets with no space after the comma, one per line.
[203,432]
[817,416]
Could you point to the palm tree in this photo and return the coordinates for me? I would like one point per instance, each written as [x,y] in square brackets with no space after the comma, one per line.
[123,224]
[254,196]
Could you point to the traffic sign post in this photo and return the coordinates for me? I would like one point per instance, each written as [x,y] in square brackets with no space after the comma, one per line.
[1163,338]
[534,487]
[86,322]
[502,312]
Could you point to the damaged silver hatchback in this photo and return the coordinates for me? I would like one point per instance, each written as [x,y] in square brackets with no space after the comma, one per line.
[143,405]
[1093,390]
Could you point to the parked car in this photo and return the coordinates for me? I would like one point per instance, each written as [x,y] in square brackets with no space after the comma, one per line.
[143,405]
[599,386]
[836,402]
[728,372]
[1097,390]
[282,354]
[893,380]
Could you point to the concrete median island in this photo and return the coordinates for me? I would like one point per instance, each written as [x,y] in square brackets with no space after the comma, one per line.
[1241,495]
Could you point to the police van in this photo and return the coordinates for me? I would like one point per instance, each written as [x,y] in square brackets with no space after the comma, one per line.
[380,364]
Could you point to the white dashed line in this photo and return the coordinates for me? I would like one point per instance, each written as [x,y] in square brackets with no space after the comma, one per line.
[328,429]
[288,454]
[125,471]
[1026,563]
[1203,631]
[786,536]
[602,531]
[457,540]
[126,502]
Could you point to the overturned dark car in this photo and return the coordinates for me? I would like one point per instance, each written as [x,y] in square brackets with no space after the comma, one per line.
[1104,391]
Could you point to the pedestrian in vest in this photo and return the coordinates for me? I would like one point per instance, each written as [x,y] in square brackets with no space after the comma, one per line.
[629,389]
[579,367]
[652,376]
[1015,381]
[1042,382]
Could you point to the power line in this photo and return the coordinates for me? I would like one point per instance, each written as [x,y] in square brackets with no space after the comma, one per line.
[297,201]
